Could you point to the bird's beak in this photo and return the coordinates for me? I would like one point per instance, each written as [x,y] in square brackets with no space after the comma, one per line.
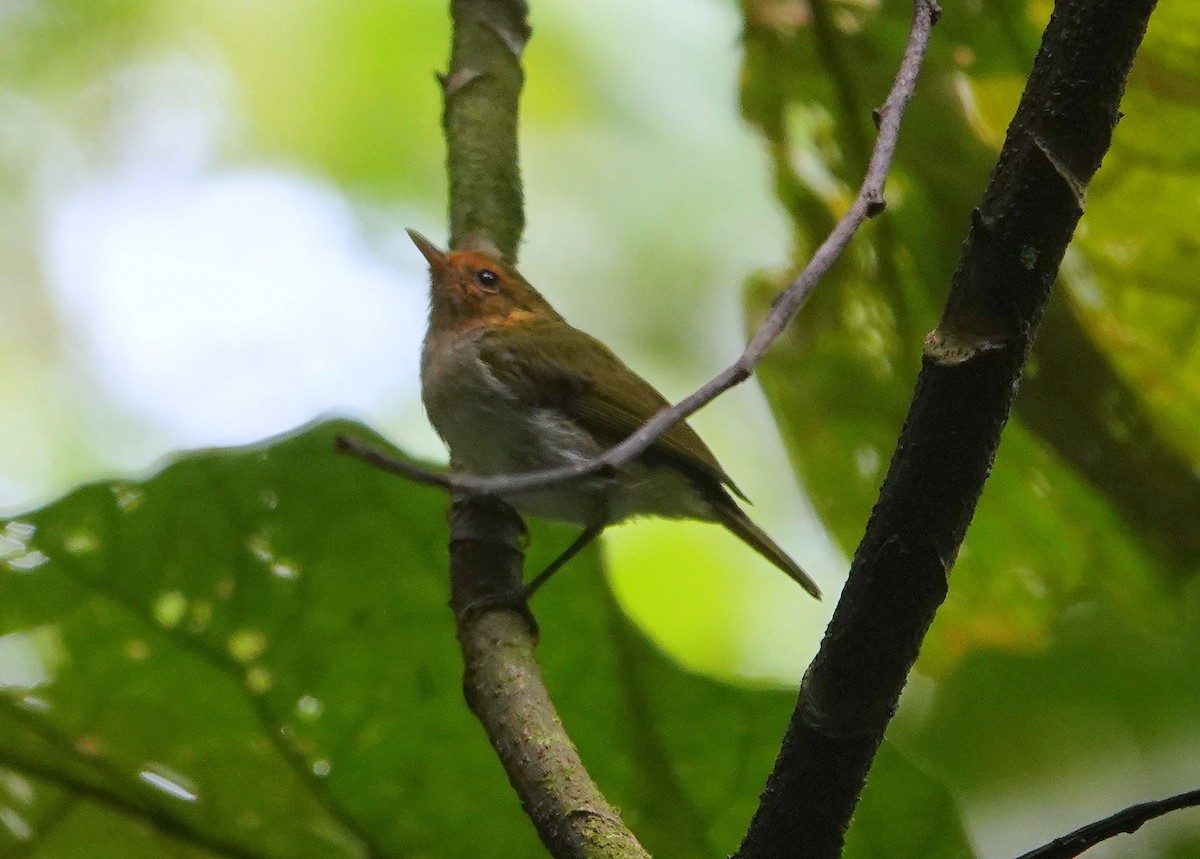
[436,257]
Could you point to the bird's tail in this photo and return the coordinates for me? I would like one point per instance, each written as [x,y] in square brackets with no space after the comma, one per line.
[736,520]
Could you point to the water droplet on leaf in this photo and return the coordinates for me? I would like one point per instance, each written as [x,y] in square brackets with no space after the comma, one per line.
[309,708]
[169,782]
[169,609]
[258,680]
[246,645]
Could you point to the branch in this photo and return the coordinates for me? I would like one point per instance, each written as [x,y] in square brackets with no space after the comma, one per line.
[1127,820]
[504,689]
[502,683]
[384,461]
[480,93]
[972,364]
[868,203]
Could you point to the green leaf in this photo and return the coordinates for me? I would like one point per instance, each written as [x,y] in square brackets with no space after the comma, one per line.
[1105,693]
[223,653]
[249,654]
[905,813]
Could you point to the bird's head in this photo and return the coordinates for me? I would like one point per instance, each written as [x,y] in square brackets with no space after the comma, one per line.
[469,288]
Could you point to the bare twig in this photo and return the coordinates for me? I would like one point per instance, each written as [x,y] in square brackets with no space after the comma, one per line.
[1124,821]
[384,461]
[868,203]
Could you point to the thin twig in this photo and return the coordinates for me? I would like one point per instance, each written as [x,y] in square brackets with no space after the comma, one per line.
[868,203]
[1127,820]
[372,455]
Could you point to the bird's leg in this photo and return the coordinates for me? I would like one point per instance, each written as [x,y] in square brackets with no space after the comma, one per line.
[586,536]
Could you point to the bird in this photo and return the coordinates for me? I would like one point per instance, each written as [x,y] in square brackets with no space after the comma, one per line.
[511,387]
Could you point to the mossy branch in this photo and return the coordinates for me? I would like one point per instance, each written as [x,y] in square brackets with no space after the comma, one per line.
[481,91]
[504,688]
[502,682]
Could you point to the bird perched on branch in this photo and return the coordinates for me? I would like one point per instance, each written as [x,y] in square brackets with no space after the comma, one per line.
[511,388]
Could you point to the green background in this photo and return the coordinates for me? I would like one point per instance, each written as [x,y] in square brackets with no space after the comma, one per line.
[248,653]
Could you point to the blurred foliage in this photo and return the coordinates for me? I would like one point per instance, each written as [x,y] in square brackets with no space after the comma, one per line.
[1066,648]
[317,81]
[250,655]
[266,631]
[1096,489]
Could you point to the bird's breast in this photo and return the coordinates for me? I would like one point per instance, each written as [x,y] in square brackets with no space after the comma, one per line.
[490,430]
[487,427]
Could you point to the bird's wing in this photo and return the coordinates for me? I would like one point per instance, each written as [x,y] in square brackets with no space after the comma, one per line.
[556,366]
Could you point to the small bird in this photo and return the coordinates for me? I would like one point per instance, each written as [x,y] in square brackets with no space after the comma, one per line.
[511,387]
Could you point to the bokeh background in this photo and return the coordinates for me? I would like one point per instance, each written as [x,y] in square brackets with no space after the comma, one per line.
[203,245]
[202,208]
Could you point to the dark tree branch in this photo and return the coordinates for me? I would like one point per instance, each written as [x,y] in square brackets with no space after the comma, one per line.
[1127,820]
[868,203]
[971,368]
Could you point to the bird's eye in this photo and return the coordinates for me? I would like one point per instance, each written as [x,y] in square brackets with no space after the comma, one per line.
[487,278]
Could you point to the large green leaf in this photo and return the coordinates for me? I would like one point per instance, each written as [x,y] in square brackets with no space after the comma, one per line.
[1038,744]
[249,654]
[905,812]
[1096,487]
